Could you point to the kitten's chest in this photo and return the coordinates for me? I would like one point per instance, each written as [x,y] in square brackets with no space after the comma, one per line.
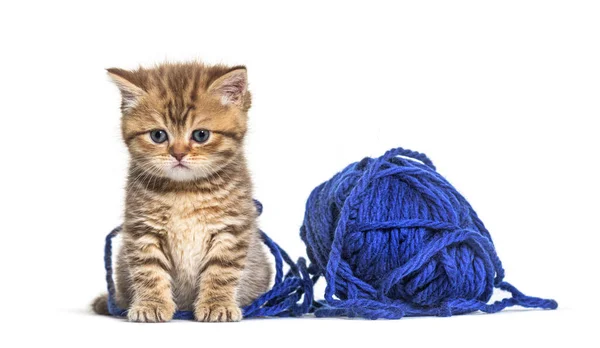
[188,239]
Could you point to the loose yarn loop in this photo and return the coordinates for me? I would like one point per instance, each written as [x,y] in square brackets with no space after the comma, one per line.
[393,238]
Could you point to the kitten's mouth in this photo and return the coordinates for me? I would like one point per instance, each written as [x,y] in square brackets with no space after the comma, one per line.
[180,166]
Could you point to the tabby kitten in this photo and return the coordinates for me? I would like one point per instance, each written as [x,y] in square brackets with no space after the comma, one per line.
[190,237]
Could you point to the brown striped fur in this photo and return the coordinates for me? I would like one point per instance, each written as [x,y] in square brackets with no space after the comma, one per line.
[190,237]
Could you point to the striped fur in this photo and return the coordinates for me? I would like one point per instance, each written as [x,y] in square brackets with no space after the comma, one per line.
[190,237]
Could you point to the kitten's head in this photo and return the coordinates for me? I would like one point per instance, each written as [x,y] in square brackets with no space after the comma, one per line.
[183,121]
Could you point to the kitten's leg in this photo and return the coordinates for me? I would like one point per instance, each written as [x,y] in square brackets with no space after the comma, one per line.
[257,274]
[152,300]
[220,275]
[123,281]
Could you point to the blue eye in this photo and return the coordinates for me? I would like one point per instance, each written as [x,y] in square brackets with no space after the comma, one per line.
[158,136]
[200,135]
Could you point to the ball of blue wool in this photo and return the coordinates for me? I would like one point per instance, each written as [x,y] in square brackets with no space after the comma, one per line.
[394,238]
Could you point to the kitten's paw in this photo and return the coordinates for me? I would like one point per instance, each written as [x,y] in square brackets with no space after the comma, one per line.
[219,312]
[151,312]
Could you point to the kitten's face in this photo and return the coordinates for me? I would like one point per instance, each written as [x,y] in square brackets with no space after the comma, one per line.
[183,122]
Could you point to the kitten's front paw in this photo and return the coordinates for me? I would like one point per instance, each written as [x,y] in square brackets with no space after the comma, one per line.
[219,312]
[151,312]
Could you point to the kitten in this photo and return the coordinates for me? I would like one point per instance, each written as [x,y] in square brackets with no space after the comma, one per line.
[190,236]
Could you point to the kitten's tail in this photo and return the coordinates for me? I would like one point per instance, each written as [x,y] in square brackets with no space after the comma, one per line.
[100,305]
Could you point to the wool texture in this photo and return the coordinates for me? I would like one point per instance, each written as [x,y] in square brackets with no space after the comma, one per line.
[392,238]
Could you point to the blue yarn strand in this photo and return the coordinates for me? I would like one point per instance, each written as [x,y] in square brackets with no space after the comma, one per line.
[392,238]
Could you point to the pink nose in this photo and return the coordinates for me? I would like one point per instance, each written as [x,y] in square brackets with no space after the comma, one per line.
[178,155]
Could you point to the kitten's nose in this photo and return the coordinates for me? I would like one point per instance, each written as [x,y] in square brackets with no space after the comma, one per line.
[179,155]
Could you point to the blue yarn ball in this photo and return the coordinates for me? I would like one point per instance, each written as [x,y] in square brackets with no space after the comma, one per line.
[394,238]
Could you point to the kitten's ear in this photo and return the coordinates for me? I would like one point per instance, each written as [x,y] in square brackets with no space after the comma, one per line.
[130,92]
[231,87]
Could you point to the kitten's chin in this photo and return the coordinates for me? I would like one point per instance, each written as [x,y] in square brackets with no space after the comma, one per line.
[181,174]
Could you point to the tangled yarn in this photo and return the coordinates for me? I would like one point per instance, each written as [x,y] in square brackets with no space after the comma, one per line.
[392,238]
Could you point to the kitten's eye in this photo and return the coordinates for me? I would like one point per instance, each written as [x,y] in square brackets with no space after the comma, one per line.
[158,136]
[200,135]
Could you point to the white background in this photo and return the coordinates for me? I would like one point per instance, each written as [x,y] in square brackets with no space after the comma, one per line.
[503,96]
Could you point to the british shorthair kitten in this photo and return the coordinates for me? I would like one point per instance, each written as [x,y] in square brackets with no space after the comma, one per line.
[190,236]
